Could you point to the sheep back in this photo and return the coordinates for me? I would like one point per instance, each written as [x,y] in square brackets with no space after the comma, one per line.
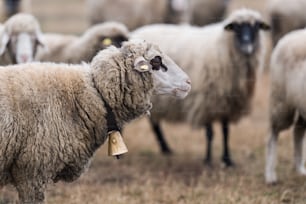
[288,75]
[133,13]
[207,11]
[52,121]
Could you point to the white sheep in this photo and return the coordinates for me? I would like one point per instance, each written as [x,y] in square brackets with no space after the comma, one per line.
[55,116]
[285,16]
[207,11]
[136,13]
[73,49]
[287,99]
[20,39]
[221,60]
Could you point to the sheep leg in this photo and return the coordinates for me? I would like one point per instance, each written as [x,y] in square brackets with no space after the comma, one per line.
[209,139]
[271,154]
[281,118]
[30,192]
[164,147]
[299,131]
[226,158]
[29,183]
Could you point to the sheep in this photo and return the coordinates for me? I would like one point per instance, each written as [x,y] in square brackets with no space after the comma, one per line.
[287,103]
[73,49]
[285,16]
[136,13]
[55,116]
[221,60]
[207,11]
[20,39]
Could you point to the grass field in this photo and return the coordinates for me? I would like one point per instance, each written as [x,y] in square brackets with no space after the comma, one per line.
[144,176]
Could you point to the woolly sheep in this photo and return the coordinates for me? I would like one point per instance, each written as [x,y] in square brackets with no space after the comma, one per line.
[287,99]
[20,39]
[207,11]
[73,49]
[136,13]
[53,116]
[286,15]
[221,60]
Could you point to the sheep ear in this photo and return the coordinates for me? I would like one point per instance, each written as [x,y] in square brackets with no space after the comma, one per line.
[4,41]
[229,26]
[142,65]
[40,39]
[264,26]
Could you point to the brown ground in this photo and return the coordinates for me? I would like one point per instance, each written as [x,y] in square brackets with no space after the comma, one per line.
[145,176]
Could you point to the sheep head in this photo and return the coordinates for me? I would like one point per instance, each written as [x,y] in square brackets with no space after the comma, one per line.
[167,76]
[128,76]
[21,37]
[245,24]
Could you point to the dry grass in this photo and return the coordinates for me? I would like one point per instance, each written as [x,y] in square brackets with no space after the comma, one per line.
[145,176]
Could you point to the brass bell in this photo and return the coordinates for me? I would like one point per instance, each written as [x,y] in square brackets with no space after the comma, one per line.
[116,145]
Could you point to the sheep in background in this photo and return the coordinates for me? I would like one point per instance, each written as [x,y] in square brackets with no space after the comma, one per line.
[285,16]
[20,39]
[221,60]
[136,13]
[73,49]
[207,11]
[54,116]
[287,99]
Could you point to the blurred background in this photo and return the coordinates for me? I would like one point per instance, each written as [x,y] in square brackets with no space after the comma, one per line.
[144,175]
[72,16]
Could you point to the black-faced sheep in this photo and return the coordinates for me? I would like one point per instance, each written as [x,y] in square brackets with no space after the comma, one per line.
[53,116]
[221,60]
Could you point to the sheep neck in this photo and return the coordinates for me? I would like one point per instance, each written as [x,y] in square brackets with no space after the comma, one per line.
[110,116]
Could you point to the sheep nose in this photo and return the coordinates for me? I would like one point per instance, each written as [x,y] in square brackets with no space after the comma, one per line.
[188,81]
[24,58]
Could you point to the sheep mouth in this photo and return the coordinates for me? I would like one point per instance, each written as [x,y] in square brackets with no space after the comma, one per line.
[181,93]
[185,88]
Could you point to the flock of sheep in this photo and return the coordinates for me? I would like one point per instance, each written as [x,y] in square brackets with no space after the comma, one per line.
[58,91]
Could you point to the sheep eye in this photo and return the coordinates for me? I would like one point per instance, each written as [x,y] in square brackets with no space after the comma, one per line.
[156,63]
[107,41]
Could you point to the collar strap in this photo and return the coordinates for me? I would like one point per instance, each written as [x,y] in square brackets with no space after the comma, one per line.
[110,116]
